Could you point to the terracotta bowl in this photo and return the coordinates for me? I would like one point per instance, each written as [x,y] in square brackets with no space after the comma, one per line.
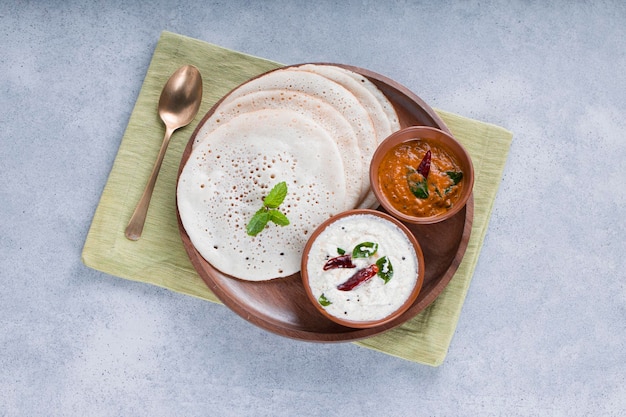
[413,292]
[433,137]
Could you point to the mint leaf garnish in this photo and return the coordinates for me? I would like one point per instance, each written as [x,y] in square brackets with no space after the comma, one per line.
[258,222]
[278,218]
[276,196]
[269,211]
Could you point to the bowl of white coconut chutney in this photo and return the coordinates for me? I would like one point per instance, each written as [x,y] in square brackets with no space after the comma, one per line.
[362,268]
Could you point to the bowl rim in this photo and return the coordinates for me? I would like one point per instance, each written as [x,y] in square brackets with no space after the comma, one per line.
[409,134]
[367,323]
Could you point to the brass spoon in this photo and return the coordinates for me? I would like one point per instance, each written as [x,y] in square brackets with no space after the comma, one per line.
[178,105]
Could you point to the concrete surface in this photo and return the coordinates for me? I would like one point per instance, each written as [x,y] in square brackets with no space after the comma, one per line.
[543,329]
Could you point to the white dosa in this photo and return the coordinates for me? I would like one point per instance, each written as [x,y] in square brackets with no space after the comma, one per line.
[229,173]
[383,115]
[312,108]
[329,91]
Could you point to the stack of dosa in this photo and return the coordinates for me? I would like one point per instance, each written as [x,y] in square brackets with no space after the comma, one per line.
[313,126]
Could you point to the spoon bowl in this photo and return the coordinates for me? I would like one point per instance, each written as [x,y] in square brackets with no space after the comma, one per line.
[179,103]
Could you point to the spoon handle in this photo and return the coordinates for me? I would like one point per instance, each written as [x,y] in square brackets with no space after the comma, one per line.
[137,220]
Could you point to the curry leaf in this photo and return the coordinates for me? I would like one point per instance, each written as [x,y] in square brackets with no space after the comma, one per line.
[385,269]
[418,188]
[364,250]
[324,301]
[455,176]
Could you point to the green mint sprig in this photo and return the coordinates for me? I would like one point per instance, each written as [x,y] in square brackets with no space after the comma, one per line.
[269,212]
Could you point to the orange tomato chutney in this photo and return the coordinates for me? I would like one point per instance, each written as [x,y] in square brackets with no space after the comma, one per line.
[408,190]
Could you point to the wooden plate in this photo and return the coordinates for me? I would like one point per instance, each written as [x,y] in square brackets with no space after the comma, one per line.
[281,306]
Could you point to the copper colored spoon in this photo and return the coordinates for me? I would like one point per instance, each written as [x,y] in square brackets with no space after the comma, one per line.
[178,105]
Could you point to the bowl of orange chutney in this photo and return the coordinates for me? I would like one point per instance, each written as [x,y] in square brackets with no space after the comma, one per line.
[421,175]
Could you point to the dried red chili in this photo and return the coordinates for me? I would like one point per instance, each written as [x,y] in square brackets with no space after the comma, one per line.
[356,279]
[343,261]
[424,166]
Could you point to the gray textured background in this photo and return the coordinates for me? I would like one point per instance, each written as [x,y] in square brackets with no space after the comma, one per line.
[543,329]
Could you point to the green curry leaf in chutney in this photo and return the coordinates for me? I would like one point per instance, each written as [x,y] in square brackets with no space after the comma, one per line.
[364,250]
[385,269]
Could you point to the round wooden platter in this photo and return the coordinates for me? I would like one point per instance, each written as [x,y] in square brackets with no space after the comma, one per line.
[281,306]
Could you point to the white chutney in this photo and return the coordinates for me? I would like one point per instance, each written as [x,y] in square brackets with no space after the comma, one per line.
[373,299]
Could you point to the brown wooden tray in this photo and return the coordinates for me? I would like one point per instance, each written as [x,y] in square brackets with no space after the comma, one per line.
[281,306]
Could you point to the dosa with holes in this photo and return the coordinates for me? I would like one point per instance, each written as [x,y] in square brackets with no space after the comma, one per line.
[382,114]
[315,109]
[315,127]
[324,89]
[228,175]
